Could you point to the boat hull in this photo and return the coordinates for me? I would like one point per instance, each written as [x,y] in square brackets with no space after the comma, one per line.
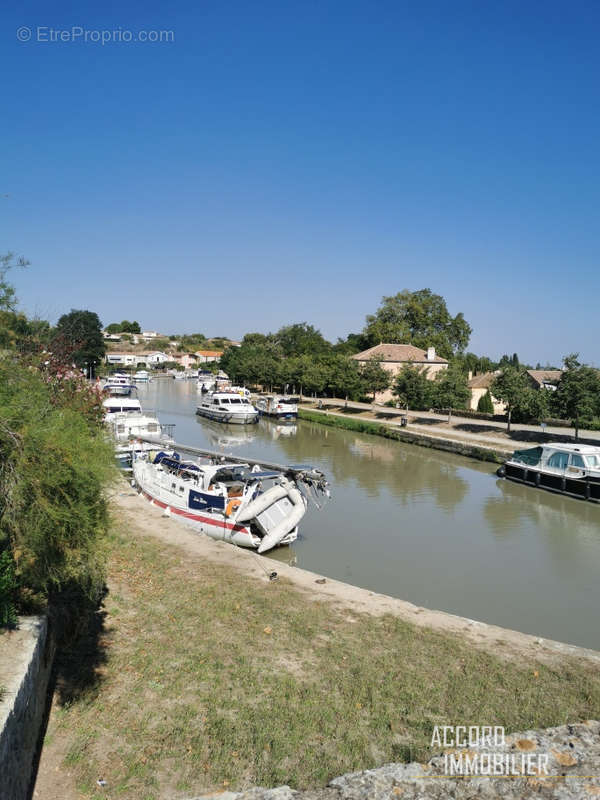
[229,417]
[581,488]
[279,414]
[212,524]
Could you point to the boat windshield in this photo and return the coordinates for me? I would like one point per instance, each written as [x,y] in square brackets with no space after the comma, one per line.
[530,457]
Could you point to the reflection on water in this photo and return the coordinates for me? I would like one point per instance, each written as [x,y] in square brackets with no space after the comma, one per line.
[430,527]
[226,437]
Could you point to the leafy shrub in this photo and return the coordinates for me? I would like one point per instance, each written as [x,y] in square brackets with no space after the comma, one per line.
[485,404]
[8,586]
[54,464]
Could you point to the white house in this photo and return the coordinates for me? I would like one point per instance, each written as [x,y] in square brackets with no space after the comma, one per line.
[125,359]
[156,357]
[133,359]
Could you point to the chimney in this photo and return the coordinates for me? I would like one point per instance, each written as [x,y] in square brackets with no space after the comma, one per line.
[431,354]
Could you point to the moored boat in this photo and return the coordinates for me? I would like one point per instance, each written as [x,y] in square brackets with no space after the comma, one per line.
[278,406]
[142,376]
[227,407]
[571,469]
[136,433]
[122,399]
[230,500]
[117,384]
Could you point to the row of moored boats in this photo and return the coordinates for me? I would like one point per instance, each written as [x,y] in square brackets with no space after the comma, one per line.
[249,504]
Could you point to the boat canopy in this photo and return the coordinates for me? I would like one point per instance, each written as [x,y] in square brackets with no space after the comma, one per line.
[532,456]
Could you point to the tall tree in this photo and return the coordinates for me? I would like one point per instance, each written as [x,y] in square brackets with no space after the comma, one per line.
[511,387]
[578,394]
[450,389]
[300,339]
[485,404]
[420,318]
[345,379]
[82,333]
[412,388]
[375,377]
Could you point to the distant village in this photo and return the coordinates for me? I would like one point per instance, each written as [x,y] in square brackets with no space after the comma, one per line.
[133,350]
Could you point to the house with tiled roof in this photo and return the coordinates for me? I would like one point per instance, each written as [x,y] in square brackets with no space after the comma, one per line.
[394,357]
[479,385]
[208,355]
[545,378]
[185,360]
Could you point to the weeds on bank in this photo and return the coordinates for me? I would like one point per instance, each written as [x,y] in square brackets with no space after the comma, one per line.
[214,680]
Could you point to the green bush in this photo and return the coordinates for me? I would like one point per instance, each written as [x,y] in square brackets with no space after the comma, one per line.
[54,464]
[8,586]
[485,404]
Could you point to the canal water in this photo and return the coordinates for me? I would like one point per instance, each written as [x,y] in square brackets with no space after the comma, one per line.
[439,530]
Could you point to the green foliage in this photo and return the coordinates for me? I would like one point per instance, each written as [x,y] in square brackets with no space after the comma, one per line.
[578,394]
[131,327]
[8,586]
[485,404]
[413,389]
[345,378]
[55,462]
[374,377]
[301,339]
[161,344]
[189,343]
[513,388]
[81,333]
[470,362]
[449,389]
[352,344]
[420,318]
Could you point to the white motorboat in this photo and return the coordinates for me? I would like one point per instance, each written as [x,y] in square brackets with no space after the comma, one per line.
[142,376]
[121,399]
[278,406]
[132,431]
[206,381]
[227,499]
[118,384]
[572,469]
[227,407]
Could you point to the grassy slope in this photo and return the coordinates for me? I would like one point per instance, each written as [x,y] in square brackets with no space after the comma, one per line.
[215,680]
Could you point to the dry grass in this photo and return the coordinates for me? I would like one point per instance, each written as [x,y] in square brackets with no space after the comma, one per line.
[214,680]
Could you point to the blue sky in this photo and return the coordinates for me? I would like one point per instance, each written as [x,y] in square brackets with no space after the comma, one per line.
[290,161]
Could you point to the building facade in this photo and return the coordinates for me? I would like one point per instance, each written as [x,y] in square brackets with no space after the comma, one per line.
[394,357]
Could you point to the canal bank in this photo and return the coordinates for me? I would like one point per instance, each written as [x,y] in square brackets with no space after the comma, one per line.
[435,528]
[213,677]
[484,450]
[137,512]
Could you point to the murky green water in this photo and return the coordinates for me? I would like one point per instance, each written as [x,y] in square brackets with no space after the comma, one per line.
[436,529]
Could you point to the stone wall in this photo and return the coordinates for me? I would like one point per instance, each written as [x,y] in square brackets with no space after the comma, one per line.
[573,773]
[26,656]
